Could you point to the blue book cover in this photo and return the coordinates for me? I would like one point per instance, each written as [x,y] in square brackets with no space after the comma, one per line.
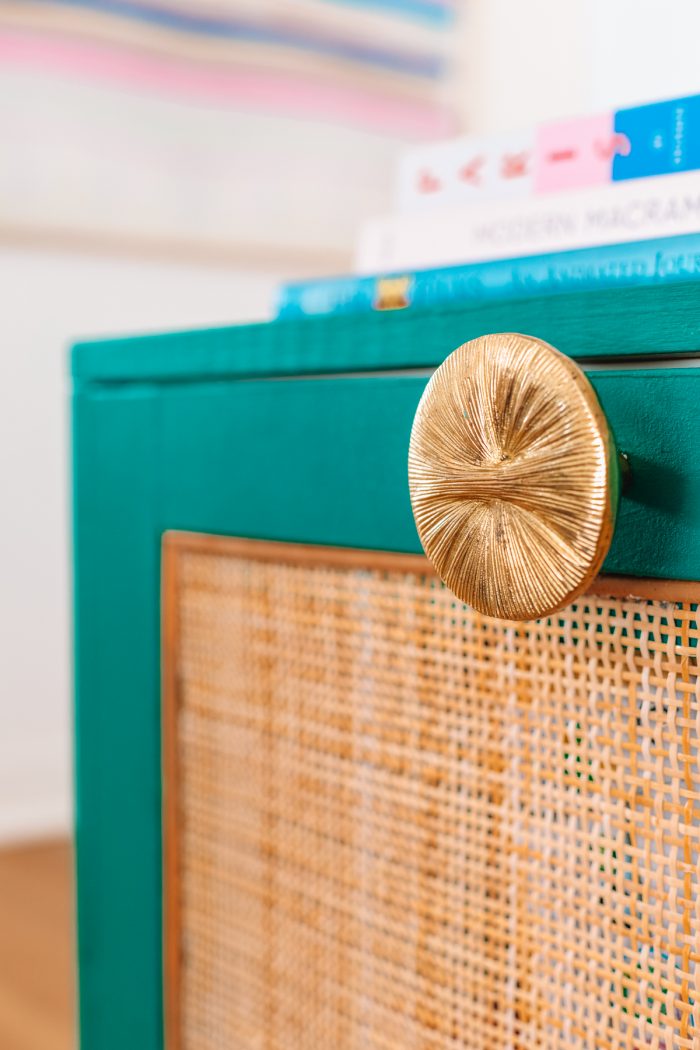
[642,262]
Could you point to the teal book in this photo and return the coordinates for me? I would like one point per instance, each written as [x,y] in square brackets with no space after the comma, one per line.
[643,262]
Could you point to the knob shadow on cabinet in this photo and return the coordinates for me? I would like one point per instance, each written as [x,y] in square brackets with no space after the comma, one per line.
[514,476]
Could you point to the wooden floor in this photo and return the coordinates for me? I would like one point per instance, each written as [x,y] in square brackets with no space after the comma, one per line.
[36,948]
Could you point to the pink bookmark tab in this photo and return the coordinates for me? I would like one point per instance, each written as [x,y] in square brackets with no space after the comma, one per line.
[573,154]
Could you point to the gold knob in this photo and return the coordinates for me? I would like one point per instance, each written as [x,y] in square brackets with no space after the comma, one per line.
[514,476]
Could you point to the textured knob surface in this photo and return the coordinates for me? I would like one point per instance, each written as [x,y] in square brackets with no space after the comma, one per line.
[514,476]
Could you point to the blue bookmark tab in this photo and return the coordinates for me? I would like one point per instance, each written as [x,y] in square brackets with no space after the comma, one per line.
[661,138]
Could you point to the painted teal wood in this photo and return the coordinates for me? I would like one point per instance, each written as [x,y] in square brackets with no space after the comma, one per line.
[306,460]
[616,322]
[117,750]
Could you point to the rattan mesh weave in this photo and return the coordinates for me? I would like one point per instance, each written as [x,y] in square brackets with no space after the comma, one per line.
[404,825]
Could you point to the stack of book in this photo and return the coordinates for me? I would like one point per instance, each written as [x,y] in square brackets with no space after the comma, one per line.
[603,200]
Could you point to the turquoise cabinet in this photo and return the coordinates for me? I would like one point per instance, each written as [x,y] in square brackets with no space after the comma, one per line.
[297,432]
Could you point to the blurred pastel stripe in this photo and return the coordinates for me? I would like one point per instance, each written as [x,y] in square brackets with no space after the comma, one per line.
[440,11]
[261,32]
[359,63]
[223,130]
[262,89]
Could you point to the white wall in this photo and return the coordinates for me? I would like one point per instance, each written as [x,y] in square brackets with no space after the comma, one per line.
[642,50]
[543,59]
[48,299]
[523,62]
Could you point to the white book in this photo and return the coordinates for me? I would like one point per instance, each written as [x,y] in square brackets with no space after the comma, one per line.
[465,171]
[633,210]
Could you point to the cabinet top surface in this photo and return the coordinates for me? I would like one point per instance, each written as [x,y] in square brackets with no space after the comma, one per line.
[589,325]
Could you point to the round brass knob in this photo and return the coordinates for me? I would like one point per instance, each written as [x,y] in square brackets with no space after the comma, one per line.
[514,476]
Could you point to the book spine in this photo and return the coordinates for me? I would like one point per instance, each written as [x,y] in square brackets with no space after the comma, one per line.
[625,211]
[635,143]
[647,262]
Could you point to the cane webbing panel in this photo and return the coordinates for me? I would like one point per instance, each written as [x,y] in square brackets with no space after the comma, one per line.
[394,823]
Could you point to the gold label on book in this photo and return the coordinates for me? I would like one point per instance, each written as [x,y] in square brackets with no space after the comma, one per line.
[392,293]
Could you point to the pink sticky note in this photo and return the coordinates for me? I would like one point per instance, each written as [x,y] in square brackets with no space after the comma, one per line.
[574,153]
